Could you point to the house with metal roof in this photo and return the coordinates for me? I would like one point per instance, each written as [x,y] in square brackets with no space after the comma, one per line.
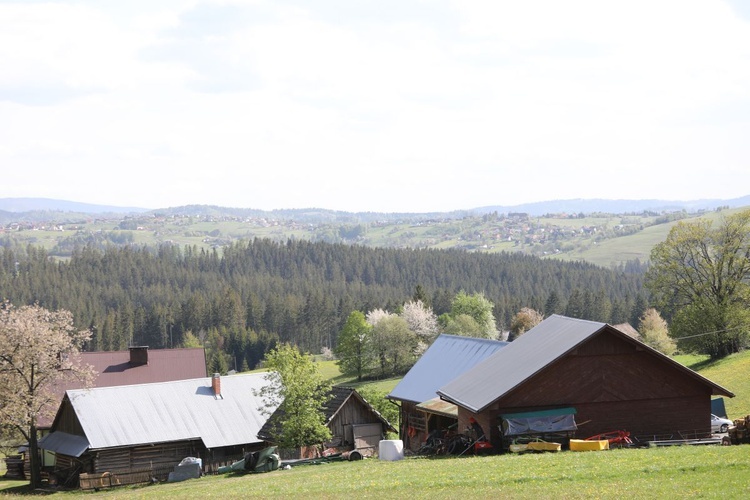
[421,411]
[138,365]
[611,381]
[353,422]
[121,428]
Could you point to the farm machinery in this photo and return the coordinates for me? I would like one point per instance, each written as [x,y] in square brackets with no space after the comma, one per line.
[739,433]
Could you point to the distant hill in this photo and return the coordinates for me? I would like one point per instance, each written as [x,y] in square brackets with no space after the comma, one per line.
[18,205]
[590,206]
[39,208]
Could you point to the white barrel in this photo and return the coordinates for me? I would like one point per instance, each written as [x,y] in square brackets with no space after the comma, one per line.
[391,449]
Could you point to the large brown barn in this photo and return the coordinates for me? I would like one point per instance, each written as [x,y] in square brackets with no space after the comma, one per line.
[611,380]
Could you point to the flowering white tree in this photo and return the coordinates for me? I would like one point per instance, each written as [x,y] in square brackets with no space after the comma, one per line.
[374,316]
[421,320]
[38,353]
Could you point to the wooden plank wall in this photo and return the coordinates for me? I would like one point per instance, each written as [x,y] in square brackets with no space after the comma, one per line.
[615,385]
[352,412]
[148,456]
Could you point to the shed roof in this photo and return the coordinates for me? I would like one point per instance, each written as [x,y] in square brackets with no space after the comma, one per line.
[447,358]
[171,411]
[551,339]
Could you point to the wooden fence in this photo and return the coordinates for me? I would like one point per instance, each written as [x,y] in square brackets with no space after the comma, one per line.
[123,478]
[143,476]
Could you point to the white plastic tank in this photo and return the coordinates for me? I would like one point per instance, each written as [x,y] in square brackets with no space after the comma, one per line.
[391,449]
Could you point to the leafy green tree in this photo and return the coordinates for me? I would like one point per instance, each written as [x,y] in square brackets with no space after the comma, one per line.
[298,389]
[354,347]
[479,309]
[462,324]
[378,399]
[700,276]
[394,345]
[38,353]
[655,332]
[190,340]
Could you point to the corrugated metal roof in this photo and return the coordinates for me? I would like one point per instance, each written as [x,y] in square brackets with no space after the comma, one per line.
[67,444]
[172,411]
[551,339]
[447,358]
[524,357]
[114,368]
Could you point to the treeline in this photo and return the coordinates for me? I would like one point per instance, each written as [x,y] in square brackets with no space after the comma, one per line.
[241,300]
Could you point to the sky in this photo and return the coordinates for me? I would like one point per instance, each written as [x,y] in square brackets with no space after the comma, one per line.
[381,105]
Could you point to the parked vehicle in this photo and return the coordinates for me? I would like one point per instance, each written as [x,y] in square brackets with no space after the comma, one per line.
[719,424]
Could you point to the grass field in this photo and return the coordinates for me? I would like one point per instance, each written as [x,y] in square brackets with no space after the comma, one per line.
[678,472]
[733,373]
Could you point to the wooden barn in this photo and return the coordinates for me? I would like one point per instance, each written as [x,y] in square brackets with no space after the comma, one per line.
[421,411]
[353,422]
[607,379]
[154,426]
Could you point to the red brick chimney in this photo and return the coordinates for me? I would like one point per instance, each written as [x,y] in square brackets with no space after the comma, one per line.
[216,385]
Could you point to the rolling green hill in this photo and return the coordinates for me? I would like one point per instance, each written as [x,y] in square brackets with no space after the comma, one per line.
[602,239]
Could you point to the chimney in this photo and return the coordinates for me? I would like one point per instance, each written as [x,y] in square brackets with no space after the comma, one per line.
[216,385]
[138,355]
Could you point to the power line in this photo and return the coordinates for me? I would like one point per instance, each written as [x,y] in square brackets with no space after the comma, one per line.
[708,333]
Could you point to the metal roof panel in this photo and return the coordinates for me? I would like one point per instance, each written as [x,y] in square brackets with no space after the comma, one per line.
[447,358]
[500,373]
[172,411]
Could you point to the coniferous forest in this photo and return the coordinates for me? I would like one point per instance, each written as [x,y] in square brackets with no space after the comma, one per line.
[241,300]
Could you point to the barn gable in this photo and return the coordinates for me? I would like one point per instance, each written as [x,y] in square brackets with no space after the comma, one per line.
[546,346]
[612,380]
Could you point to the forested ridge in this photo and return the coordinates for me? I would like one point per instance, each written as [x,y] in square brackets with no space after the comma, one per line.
[241,300]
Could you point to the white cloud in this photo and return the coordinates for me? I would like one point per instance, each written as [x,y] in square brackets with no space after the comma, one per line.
[419,106]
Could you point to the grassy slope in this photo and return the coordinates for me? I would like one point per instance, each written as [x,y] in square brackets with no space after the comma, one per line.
[733,373]
[642,473]
[639,245]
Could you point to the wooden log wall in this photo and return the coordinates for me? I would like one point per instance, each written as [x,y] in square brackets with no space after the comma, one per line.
[148,456]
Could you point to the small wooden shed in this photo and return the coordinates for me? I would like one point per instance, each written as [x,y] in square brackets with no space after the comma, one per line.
[353,422]
[613,381]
